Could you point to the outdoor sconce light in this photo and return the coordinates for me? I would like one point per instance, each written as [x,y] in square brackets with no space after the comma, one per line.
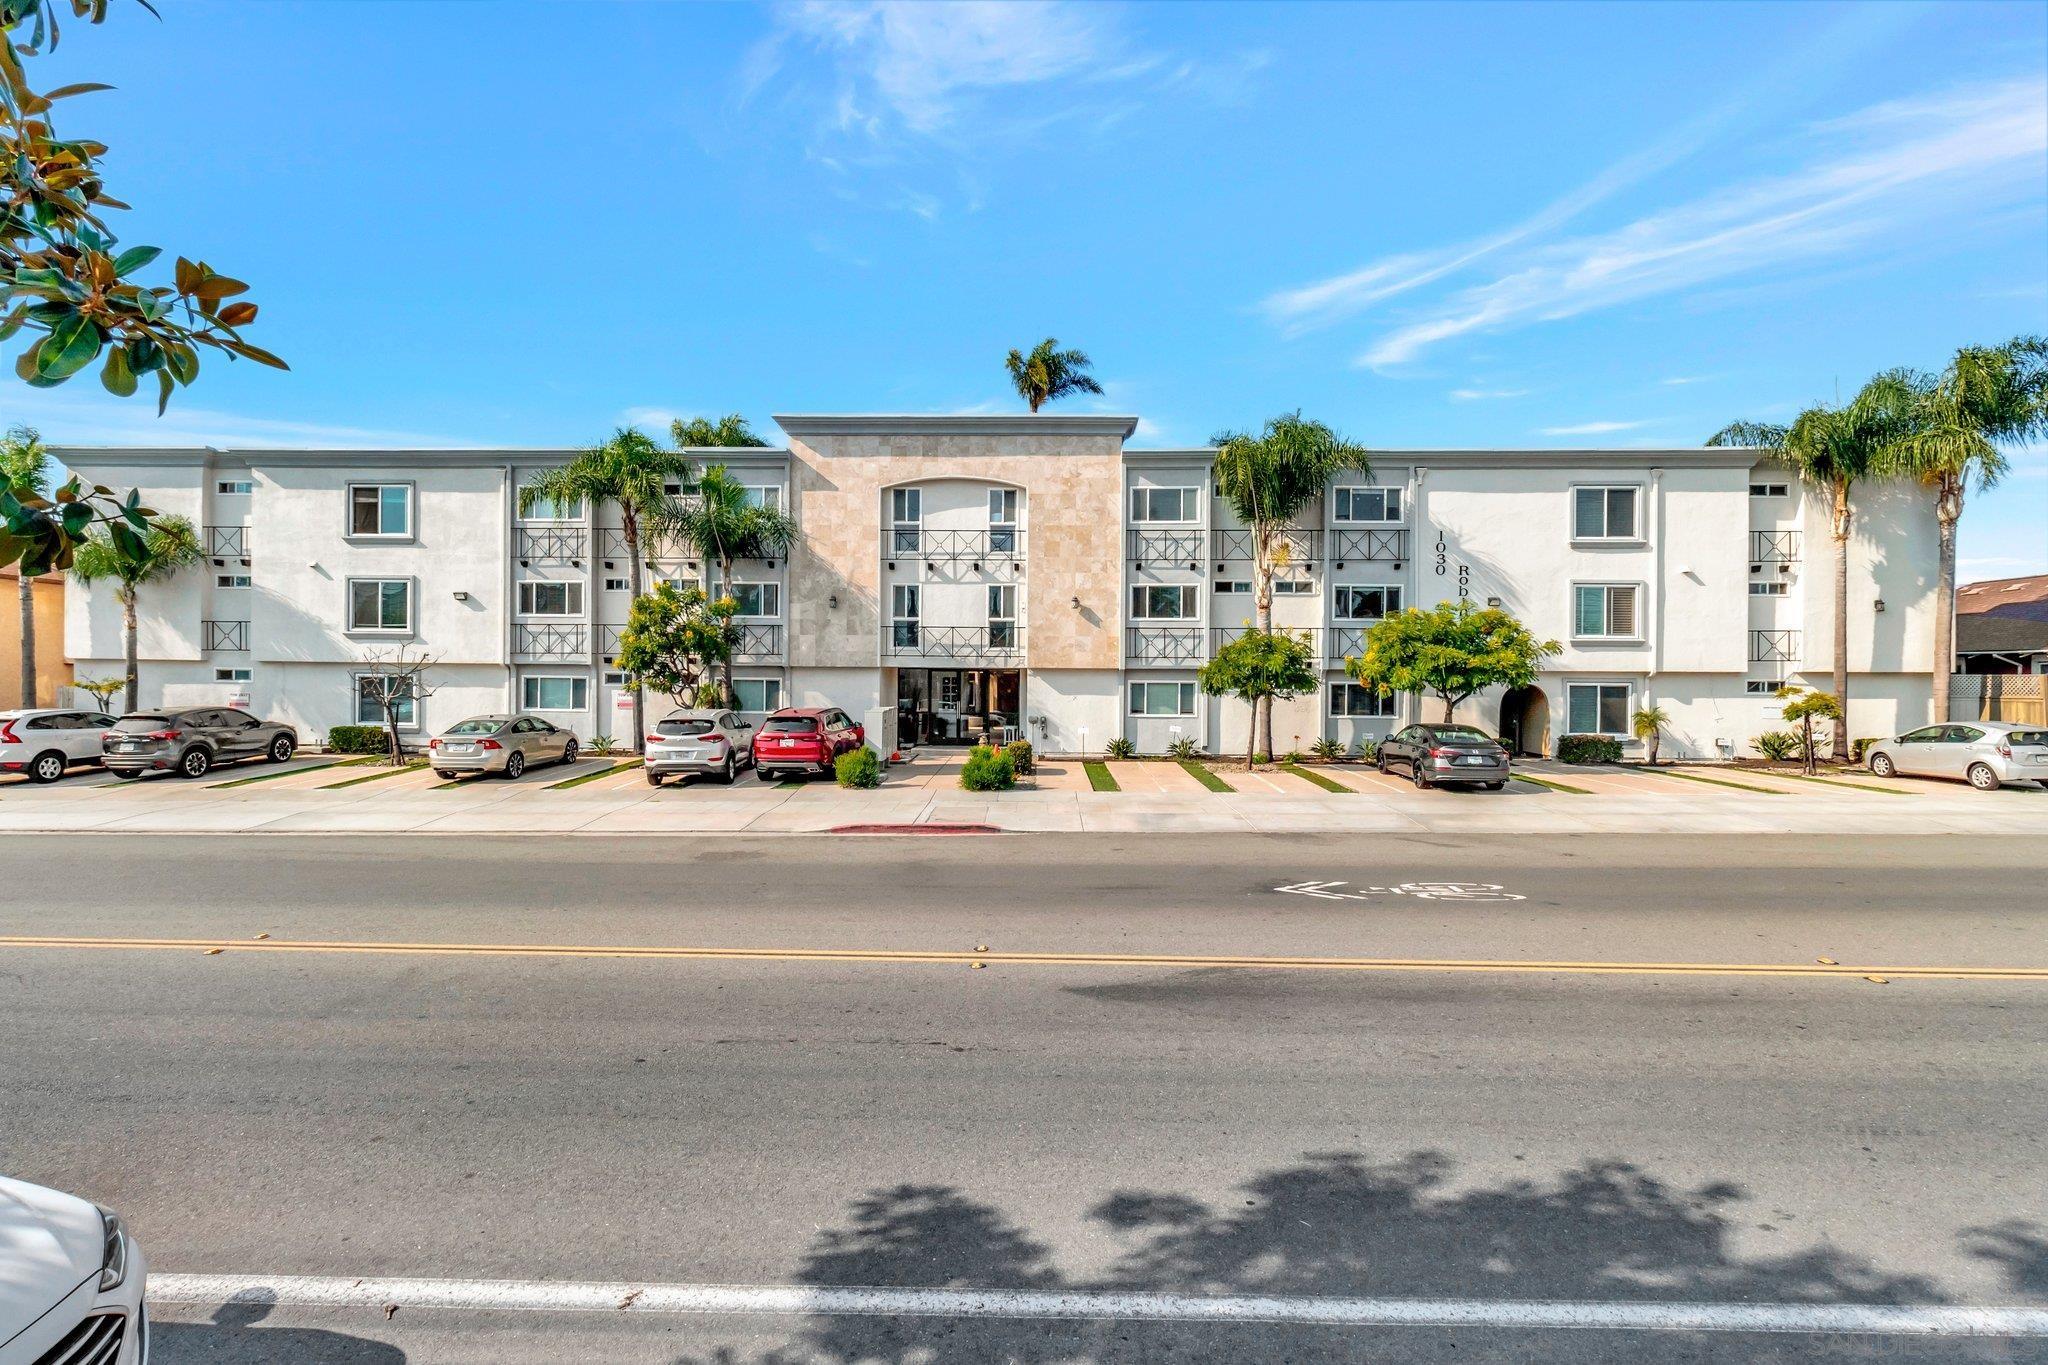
[692,563]
[1879,605]
[608,564]
[892,565]
[1138,564]
[833,601]
[218,563]
[1397,564]
[1493,601]
[1340,563]
[1784,568]
[575,563]
[527,564]
[1077,604]
[931,567]
[1194,568]
[1219,568]
[977,566]
[771,563]
[245,563]
[461,596]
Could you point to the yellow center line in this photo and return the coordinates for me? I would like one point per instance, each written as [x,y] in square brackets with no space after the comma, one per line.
[881,955]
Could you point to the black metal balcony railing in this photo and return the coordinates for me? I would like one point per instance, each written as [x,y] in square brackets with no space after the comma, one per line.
[996,544]
[1294,547]
[1345,642]
[1774,646]
[1166,549]
[551,543]
[1774,547]
[1163,645]
[760,642]
[1367,546]
[550,643]
[611,544]
[1223,635]
[992,641]
[231,636]
[227,542]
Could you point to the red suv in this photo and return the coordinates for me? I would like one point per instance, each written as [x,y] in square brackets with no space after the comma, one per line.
[804,739]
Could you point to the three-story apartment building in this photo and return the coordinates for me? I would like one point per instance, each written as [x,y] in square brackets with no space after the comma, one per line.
[971,577]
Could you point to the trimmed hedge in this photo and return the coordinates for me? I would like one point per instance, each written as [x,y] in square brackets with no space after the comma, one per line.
[988,770]
[1588,749]
[358,739]
[858,768]
[1021,758]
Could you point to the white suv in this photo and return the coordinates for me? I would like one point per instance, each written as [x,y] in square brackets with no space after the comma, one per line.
[44,744]
[72,1282]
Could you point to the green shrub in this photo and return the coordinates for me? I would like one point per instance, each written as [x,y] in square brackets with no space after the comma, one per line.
[1328,750]
[1119,748]
[1588,749]
[1021,757]
[987,770]
[1859,747]
[1367,748]
[1184,747]
[1291,756]
[601,744]
[1776,745]
[358,739]
[860,767]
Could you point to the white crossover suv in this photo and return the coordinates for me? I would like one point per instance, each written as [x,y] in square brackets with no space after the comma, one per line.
[71,1281]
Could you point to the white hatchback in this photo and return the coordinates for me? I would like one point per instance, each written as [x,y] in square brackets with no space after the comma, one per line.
[71,1281]
[45,743]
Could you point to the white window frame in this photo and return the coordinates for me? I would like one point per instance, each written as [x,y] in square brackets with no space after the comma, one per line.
[1294,587]
[1384,703]
[234,582]
[910,526]
[1762,687]
[1004,505]
[1607,612]
[412,519]
[899,595]
[1769,587]
[408,708]
[577,682]
[771,597]
[767,495]
[234,488]
[618,585]
[1603,536]
[1184,698]
[1190,600]
[1345,497]
[1770,490]
[548,510]
[1598,687]
[771,693]
[572,598]
[1234,587]
[1390,601]
[349,607]
[1189,497]
[233,675]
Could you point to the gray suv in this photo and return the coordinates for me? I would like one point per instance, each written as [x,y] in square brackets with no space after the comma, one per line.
[192,742]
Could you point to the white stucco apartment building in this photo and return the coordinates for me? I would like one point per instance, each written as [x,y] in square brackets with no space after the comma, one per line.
[964,576]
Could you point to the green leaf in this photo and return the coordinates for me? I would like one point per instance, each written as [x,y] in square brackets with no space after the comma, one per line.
[134,258]
[81,88]
[118,376]
[25,363]
[163,391]
[70,347]
[257,354]
[184,362]
[144,355]
[131,545]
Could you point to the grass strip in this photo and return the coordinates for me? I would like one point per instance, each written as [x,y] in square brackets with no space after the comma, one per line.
[607,771]
[1206,776]
[1841,782]
[1552,786]
[1718,782]
[412,767]
[1100,778]
[1311,775]
[283,772]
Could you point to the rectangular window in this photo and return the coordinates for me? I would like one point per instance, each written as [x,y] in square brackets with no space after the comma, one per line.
[554,693]
[1761,687]
[1598,708]
[1002,520]
[231,580]
[767,495]
[903,606]
[380,509]
[231,675]
[1769,490]
[1604,513]
[1163,602]
[235,487]
[1364,601]
[1294,587]
[618,585]
[1355,699]
[541,598]
[758,694]
[1368,504]
[756,599]
[906,517]
[380,604]
[1002,615]
[547,509]
[1165,504]
[1770,587]
[1234,585]
[1162,699]
[370,695]
[1605,611]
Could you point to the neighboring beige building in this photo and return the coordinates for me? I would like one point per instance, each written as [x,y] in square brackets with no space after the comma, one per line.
[53,670]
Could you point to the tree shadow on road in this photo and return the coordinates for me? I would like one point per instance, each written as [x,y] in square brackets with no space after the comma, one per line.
[1344,1225]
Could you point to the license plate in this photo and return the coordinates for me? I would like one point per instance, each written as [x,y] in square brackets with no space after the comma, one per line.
[1475,762]
[126,746]
[461,748]
[688,755]
[787,743]
[2037,758]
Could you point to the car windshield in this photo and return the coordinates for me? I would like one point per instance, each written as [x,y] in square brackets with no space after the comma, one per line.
[802,725]
[683,727]
[142,724]
[2027,737]
[481,725]
[1463,732]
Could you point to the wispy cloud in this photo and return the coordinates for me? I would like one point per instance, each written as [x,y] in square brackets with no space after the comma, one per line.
[80,419]
[1679,379]
[1592,428]
[1485,395]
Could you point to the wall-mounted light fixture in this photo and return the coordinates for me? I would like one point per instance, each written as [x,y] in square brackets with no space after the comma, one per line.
[1493,601]
[461,596]
[1077,604]
[1878,605]
[833,601]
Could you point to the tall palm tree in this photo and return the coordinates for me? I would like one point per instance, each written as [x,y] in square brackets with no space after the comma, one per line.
[1269,480]
[25,471]
[1987,396]
[170,547]
[634,471]
[1049,373]
[724,526]
[729,430]
[1832,450]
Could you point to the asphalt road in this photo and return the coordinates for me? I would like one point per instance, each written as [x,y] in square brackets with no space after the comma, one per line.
[1374,1135]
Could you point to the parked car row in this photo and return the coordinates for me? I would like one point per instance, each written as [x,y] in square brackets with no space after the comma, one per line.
[45,744]
[794,741]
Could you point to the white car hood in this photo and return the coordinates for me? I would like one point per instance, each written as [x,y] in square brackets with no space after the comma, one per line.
[49,1243]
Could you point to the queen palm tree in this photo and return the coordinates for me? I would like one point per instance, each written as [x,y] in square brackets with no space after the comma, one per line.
[1832,450]
[169,548]
[1988,396]
[1049,373]
[25,471]
[725,526]
[1269,480]
[634,471]
[729,430]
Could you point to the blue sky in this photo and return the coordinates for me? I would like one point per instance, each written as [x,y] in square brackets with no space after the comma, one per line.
[1428,225]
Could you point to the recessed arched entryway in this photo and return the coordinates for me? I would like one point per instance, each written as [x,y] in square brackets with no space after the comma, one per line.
[1525,721]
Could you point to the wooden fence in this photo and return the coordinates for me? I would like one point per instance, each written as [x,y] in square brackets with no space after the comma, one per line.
[2021,698]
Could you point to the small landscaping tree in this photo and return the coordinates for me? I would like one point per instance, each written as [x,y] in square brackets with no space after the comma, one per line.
[1260,667]
[725,526]
[1450,651]
[1804,706]
[674,638]
[116,554]
[395,681]
[1647,725]
[102,690]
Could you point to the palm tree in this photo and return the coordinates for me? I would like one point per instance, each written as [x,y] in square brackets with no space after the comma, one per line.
[1269,480]
[170,547]
[1647,726]
[729,430]
[632,470]
[1831,450]
[1049,373]
[24,471]
[1988,396]
[725,526]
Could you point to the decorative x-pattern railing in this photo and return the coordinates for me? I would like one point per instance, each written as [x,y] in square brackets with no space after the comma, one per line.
[997,544]
[1164,548]
[551,642]
[1774,646]
[226,635]
[227,542]
[991,642]
[1166,646]
[1368,546]
[1292,547]
[551,542]
[1773,547]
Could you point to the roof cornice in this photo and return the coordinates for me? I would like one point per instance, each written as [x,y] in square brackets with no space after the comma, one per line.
[966,424]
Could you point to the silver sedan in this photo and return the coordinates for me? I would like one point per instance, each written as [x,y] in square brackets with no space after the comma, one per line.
[499,744]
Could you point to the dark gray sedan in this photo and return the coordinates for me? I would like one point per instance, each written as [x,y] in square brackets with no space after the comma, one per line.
[1446,755]
[193,742]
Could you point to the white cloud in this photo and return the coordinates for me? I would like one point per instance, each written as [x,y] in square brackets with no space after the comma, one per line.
[1679,379]
[654,419]
[1485,395]
[79,418]
[1592,428]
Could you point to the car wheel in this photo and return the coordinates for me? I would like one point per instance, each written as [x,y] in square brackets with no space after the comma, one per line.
[568,753]
[1419,777]
[1881,765]
[1493,786]
[765,774]
[515,765]
[731,770]
[654,779]
[281,749]
[1982,778]
[126,774]
[46,767]
[196,763]
[445,774]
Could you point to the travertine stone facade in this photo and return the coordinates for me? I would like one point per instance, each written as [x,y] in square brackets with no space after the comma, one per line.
[1071,472]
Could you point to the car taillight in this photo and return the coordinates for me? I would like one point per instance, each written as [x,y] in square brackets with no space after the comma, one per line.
[655,739]
[1439,753]
[163,734]
[489,744]
[2004,750]
[434,743]
[7,735]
